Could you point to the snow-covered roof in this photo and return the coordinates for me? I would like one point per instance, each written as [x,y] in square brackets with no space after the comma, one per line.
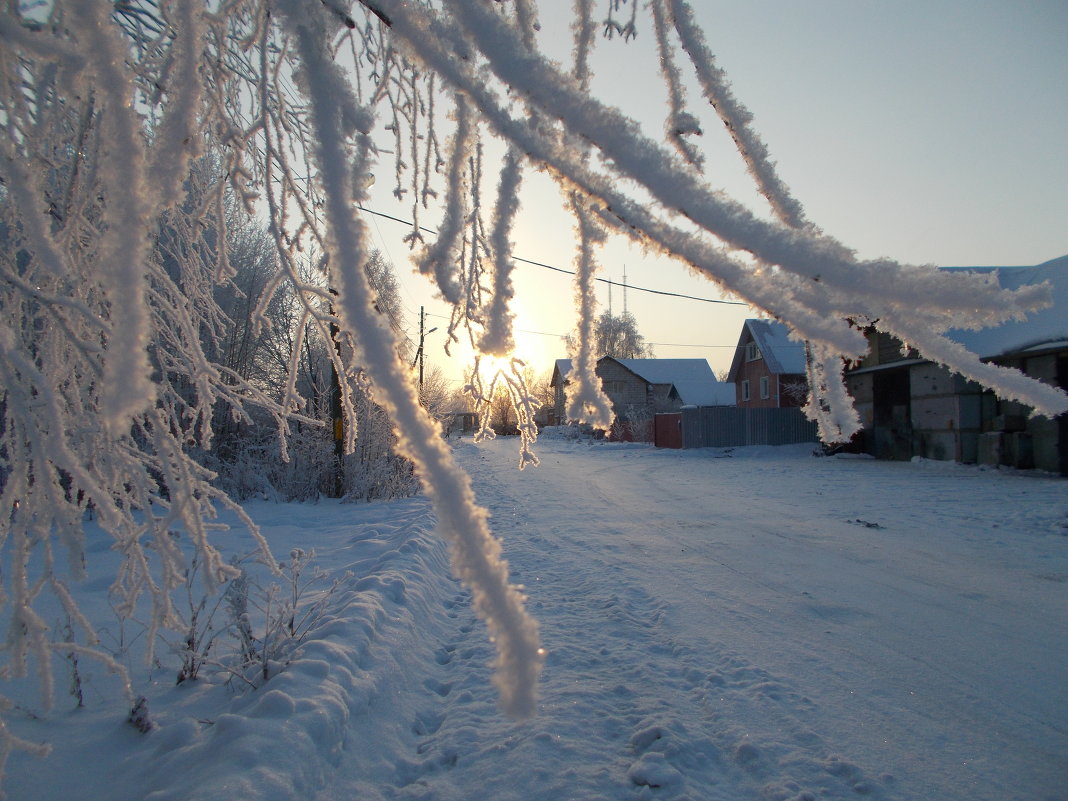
[782,354]
[693,379]
[1044,327]
[722,393]
[563,367]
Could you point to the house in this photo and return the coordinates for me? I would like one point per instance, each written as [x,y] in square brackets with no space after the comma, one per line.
[768,370]
[912,407]
[641,388]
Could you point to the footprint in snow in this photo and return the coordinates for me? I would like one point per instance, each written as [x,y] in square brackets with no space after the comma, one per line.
[441,688]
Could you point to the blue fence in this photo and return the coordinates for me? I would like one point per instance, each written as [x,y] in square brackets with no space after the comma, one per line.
[732,427]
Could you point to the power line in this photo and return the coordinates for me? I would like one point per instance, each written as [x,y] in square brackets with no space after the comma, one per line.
[687,345]
[608,281]
[657,344]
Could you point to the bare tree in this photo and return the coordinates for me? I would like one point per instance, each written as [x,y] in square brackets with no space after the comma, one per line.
[501,416]
[541,388]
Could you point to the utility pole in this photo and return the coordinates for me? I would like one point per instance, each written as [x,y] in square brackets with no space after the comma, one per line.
[336,413]
[419,353]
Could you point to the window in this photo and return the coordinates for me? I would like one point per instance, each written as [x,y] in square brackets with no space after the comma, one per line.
[752,352]
[745,390]
[764,387]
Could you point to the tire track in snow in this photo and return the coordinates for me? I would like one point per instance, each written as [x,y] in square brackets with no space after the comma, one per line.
[869,626]
[641,714]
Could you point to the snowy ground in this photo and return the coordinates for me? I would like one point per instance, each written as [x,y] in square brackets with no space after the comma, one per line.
[758,625]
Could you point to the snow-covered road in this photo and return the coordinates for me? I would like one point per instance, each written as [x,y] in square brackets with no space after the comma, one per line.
[755,625]
[767,625]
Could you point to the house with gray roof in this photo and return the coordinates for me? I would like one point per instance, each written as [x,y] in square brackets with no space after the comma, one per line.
[641,388]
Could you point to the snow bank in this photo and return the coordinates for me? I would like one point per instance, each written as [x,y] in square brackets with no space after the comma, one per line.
[216,739]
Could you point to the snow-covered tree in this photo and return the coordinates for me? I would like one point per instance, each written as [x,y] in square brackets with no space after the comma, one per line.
[435,394]
[620,338]
[617,335]
[105,384]
[541,388]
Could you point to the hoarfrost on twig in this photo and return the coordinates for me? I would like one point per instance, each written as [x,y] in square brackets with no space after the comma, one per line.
[115,249]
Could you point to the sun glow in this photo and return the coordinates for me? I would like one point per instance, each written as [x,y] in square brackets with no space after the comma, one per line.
[493,380]
[491,367]
[529,356]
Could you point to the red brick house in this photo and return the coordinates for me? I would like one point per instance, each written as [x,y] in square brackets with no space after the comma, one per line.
[768,370]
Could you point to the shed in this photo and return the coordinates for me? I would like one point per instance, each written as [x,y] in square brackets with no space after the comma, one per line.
[912,407]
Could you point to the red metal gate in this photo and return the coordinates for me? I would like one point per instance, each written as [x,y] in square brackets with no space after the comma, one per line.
[667,430]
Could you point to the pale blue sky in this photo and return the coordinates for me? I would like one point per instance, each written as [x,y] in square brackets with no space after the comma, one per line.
[929,132]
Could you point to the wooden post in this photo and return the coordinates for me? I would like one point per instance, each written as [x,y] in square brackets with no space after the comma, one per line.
[336,414]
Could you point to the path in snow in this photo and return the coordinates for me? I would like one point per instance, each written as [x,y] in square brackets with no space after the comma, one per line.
[759,626]
[780,628]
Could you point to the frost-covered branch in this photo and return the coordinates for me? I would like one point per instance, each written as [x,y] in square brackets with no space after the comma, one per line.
[586,401]
[108,307]
[439,258]
[137,136]
[809,280]
[735,117]
[680,123]
[476,554]
[497,339]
